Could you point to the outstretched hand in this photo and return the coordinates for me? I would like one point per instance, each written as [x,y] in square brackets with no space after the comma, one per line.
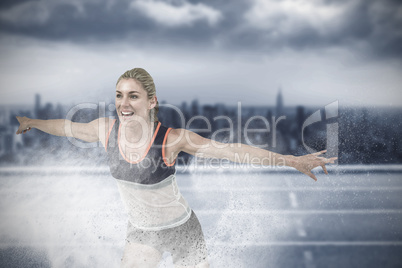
[24,127]
[306,163]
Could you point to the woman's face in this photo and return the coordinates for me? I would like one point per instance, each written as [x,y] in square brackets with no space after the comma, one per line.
[132,100]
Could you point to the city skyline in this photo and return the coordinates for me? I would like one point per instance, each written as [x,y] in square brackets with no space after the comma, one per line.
[368,136]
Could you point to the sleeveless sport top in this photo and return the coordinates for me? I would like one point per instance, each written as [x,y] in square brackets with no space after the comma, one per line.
[148,186]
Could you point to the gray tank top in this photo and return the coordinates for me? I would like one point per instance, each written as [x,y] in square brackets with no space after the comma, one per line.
[148,187]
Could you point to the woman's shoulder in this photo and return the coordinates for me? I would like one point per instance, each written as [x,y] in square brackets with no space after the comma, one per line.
[177,133]
[176,136]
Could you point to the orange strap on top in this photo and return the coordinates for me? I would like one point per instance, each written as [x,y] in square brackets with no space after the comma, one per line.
[163,149]
[107,137]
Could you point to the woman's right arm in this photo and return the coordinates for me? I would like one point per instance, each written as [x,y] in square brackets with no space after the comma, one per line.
[89,132]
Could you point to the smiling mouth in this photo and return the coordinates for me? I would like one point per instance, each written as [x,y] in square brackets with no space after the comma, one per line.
[127,114]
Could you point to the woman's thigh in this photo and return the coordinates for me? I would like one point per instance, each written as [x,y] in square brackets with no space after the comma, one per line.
[138,255]
[187,245]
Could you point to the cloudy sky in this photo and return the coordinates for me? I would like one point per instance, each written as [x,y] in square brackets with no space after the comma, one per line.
[317,51]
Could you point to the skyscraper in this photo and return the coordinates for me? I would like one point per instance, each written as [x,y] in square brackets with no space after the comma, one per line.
[37,105]
[279,103]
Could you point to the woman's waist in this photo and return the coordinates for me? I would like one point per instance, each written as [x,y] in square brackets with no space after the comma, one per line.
[151,178]
[158,219]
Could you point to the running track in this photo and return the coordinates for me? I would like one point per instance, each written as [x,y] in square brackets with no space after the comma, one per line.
[70,216]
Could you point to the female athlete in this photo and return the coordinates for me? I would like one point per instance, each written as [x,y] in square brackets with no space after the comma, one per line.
[141,155]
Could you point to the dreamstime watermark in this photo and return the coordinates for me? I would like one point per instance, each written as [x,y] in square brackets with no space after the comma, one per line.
[234,133]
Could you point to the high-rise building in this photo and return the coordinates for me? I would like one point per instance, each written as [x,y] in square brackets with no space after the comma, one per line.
[37,105]
[195,108]
[279,103]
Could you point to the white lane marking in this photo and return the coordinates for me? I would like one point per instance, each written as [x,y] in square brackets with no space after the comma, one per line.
[14,190]
[302,212]
[293,200]
[301,232]
[228,244]
[308,259]
[292,189]
[300,228]
[221,212]
[307,243]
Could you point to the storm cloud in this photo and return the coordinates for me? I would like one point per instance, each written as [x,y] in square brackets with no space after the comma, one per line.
[317,51]
[371,27]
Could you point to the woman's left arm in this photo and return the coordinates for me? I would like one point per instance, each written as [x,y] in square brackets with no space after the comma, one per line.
[192,143]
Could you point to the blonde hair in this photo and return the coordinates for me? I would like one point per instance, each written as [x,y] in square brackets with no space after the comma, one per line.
[147,83]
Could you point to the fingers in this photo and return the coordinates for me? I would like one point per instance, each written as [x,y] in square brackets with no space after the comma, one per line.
[327,160]
[22,131]
[320,152]
[26,130]
[332,159]
[312,175]
[19,130]
[325,169]
[311,161]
